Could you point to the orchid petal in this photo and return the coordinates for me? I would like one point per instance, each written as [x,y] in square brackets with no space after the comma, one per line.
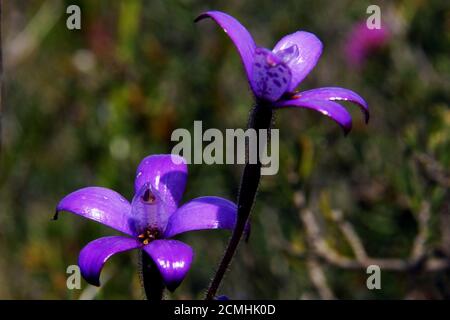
[167,175]
[149,209]
[202,213]
[329,108]
[337,94]
[270,75]
[240,36]
[307,53]
[102,205]
[94,255]
[173,259]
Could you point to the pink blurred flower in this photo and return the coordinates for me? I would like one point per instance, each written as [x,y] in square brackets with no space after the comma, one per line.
[362,42]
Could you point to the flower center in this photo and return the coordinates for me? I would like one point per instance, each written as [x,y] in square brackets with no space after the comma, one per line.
[270,75]
[148,197]
[288,54]
[149,235]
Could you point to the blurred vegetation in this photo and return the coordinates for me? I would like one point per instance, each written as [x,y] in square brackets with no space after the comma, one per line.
[83,107]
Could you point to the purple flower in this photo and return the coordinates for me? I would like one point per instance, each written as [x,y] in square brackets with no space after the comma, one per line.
[273,75]
[152,218]
[362,42]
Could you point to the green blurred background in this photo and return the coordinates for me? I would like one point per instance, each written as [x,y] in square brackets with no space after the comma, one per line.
[84,107]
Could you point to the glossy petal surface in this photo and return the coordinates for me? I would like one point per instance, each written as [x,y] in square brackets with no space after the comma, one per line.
[309,51]
[167,174]
[94,255]
[102,205]
[202,213]
[173,259]
[329,108]
[240,36]
[337,94]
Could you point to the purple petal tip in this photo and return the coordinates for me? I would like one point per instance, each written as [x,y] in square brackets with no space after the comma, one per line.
[95,254]
[328,108]
[172,258]
[240,36]
[201,16]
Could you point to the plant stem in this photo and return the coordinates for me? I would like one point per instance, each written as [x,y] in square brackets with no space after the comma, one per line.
[151,278]
[260,118]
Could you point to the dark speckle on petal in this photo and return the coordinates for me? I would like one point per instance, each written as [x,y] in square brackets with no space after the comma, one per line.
[277,83]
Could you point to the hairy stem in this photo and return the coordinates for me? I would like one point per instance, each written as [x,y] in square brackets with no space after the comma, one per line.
[260,118]
[151,278]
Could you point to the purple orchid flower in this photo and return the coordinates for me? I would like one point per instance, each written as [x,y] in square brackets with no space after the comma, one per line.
[274,74]
[150,221]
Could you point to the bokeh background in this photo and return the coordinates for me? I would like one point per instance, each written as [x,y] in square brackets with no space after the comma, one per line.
[83,107]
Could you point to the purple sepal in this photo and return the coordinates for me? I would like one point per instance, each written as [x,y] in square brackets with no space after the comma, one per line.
[329,108]
[102,205]
[167,174]
[309,49]
[337,94]
[173,259]
[94,255]
[202,213]
[240,36]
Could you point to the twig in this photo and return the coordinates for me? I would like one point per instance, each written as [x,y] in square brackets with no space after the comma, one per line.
[433,169]
[315,270]
[435,172]
[350,235]
[29,40]
[419,249]
[319,279]
[420,258]
[444,216]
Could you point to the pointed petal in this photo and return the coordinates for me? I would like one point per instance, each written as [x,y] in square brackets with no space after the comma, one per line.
[329,108]
[202,213]
[167,174]
[309,51]
[337,94]
[240,36]
[173,259]
[94,255]
[102,205]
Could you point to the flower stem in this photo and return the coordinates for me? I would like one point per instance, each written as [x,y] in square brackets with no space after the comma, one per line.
[260,118]
[151,278]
